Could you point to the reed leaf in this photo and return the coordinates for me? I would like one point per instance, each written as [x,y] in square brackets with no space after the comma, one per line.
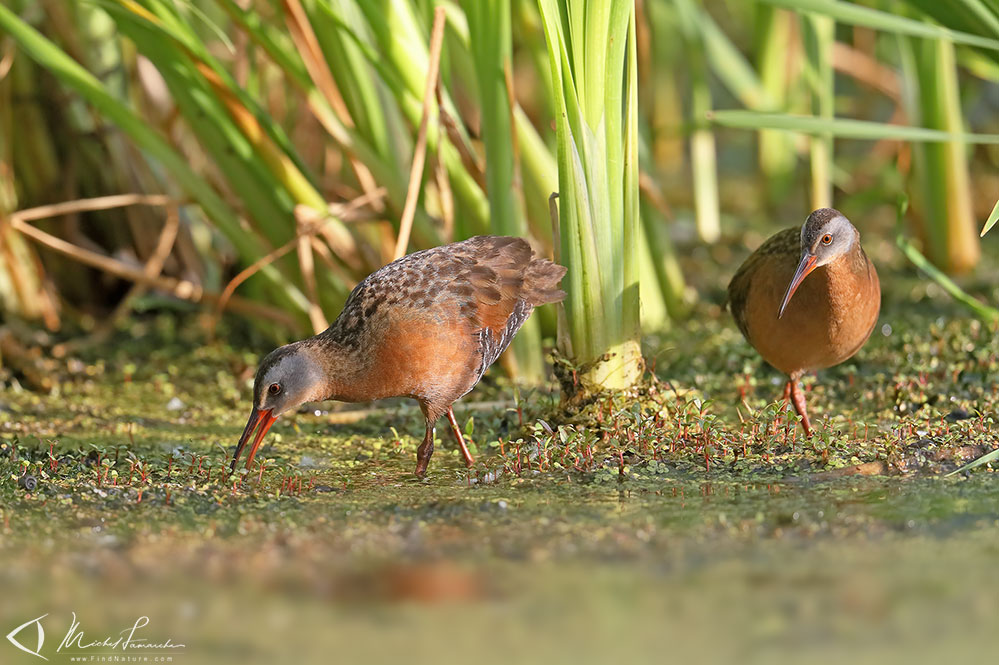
[950,286]
[991,221]
[775,49]
[401,47]
[917,258]
[818,33]
[941,183]
[984,459]
[847,128]
[853,14]
[703,155]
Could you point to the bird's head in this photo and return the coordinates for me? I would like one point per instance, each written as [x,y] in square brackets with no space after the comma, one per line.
[825,236]
[286,378]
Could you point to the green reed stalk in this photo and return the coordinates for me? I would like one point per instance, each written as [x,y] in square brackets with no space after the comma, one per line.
[774,52]
[703,156]
[591,50]
[941,184]
[819,32]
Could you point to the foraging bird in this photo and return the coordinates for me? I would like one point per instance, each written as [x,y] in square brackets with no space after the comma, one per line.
[807,299]
[426,326]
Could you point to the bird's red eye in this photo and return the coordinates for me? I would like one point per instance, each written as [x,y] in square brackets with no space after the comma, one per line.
[274,388]
[826,239]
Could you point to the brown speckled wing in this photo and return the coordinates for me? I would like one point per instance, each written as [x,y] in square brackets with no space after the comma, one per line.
[507,283]
[480,280]
[782,243]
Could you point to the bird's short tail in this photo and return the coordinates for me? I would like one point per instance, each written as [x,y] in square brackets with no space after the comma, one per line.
[541,282]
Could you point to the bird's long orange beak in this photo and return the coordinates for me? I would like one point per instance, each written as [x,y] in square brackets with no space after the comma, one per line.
[805,266]
[264,420]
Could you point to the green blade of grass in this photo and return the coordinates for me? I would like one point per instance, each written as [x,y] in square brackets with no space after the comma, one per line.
[491,50]
[538,172]
[984,459]
[250,149]
[206,115]
[632,236]
[991,221]
[402,46]
[729,64]
[971,16]
[950,286]
[847,128]
[284,55]
[166,17]
[946,283]
[362,91]
[845,12]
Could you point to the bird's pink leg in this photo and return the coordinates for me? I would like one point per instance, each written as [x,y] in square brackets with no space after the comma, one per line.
[469,460]
[798,399]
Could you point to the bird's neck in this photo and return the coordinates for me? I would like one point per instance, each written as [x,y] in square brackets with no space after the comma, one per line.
[344,370]
[853,263]
[847,277]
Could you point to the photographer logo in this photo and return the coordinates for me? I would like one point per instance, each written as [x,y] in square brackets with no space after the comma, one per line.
[127,645]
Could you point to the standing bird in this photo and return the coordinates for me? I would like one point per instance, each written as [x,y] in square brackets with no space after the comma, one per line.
[832,312]
[426,326]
